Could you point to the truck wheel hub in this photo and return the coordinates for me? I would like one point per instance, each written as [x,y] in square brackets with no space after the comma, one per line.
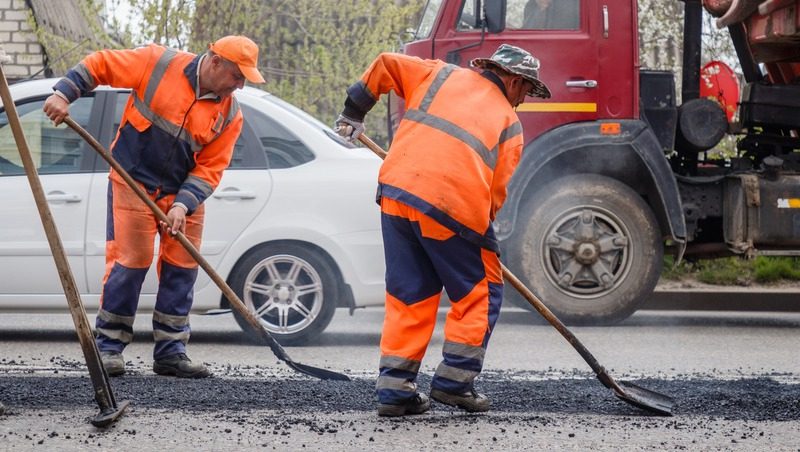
[586,253]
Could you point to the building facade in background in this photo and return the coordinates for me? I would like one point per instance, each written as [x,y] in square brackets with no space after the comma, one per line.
[44,38]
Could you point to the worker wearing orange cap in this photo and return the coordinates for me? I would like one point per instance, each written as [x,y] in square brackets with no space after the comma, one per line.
[175,139]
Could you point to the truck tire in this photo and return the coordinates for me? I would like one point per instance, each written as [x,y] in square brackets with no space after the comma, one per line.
[589,247]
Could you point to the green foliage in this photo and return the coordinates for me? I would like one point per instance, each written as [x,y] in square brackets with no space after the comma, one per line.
[673,272]
[660,33]
[311,51]
[661,38]
[63,52]
[774,269]
[166,22]
[734,270]
[731,271]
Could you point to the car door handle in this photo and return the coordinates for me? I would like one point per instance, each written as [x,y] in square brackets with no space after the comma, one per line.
[582,84]
[235,194]
[60,196]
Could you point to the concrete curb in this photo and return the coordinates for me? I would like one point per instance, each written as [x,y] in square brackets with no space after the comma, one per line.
[718,298]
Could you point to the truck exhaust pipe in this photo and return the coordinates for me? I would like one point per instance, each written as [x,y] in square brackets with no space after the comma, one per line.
[692,37]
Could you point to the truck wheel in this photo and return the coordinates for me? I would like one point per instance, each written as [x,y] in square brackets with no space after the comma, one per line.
[290,288]
[589,247]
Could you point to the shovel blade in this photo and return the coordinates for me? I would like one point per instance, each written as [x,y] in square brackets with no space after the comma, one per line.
[109,415]
[645,399]
[322,374]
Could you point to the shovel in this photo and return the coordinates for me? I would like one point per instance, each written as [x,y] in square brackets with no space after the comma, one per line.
[629,392]
[110,410]
[234,299]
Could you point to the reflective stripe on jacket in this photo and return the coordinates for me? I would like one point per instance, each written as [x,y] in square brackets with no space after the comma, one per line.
[168,139]
[457,146]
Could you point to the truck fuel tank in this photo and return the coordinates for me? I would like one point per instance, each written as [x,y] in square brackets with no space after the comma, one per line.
[761,211]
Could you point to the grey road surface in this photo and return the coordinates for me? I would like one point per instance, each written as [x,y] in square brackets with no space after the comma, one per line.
[735,378]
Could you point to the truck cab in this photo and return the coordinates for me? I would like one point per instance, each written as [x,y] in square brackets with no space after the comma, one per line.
[614,171]
[588,50]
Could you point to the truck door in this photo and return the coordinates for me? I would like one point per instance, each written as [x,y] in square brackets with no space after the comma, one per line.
[565,35]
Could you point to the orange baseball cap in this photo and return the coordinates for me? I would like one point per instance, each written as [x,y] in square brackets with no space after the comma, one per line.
[242,51]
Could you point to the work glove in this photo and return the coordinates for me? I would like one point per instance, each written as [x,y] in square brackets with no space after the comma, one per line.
[348,128]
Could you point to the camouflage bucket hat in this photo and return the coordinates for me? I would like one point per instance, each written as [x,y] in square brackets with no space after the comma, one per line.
[516,61]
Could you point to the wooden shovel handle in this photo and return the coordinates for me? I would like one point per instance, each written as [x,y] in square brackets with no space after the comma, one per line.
[537,304]
[102,388]
[236,302]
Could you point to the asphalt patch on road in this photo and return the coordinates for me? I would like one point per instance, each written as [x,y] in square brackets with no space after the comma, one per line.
[523,393]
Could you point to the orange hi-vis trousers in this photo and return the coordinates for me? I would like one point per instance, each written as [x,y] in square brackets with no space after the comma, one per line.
[422,257]
[130,238]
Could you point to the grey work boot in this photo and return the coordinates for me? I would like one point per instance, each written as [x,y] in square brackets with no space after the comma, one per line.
[113,362]
[415,405]
[469,401]
[180,366]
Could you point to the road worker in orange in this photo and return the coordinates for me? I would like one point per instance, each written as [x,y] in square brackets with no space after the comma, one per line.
[175,139]
[440,189]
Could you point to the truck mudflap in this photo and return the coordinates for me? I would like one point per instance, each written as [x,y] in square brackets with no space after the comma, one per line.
[630,153]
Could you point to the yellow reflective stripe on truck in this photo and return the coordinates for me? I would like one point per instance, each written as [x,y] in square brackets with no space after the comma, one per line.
[581,107]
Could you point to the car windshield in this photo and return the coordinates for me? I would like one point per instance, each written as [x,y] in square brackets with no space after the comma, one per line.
[308,119]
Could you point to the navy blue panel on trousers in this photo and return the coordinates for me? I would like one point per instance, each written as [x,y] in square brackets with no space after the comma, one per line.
[122,288]
[110,213]
[173,302]
[175,289]
[403,251]
[434,263]
[495,302]
[120,297]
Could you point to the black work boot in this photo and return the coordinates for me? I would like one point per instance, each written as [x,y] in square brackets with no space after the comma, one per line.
[469,401]
[415,405]
[180,366]
[113,362]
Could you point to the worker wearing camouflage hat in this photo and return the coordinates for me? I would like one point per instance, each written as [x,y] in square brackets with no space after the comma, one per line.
[440,188]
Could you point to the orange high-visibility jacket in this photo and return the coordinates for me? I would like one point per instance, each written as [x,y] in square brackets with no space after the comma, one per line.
[169,140]
[457,146]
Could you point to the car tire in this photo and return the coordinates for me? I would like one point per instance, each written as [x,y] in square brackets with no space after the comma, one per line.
[589,247]
[290,287]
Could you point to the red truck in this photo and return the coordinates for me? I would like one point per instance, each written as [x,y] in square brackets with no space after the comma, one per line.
[614,171]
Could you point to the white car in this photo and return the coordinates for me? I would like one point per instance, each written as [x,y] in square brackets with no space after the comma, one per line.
[293,226]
